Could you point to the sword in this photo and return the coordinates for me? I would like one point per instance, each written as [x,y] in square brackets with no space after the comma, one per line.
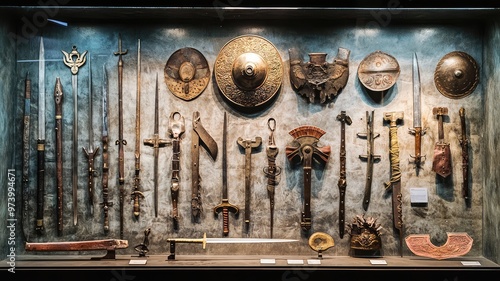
[90,152]
[342,183]
[26,156]
[225,207]
[120,141]
[41,140]
[105,155]
[395,181]
[175,130]
[74,61]
[200,136]
[369,157]
[271,171]
[156,143]
[58,97]
[417,130]
[204,241]
[136,193]
[464,143]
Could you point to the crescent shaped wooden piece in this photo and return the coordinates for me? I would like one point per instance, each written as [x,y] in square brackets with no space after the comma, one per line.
[457,244]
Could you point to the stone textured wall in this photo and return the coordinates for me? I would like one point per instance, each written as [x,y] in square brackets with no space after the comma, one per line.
[445,212]
[492,172]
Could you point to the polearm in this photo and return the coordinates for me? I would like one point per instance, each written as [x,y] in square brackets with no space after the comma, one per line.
[136,193]
[41,140]
[105,154]
[74,61]
[90,152]
[156,143]
[26,156]
[120,142]
[58,97]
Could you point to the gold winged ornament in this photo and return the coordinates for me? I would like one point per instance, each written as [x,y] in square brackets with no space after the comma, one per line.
[74,59]
[318,79]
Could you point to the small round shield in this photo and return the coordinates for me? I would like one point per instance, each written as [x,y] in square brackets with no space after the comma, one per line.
[456,75]
[248,71]
[187,73]
[378,71]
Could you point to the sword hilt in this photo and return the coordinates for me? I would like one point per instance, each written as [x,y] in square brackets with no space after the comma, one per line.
[225,207]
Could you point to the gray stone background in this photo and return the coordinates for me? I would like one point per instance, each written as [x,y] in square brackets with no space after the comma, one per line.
[446,211]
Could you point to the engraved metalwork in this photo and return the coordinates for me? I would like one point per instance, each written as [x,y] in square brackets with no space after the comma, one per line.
[456,75]
[365,235]
[249,71]
[378,71]
[318,79]
[303,149]
[442,153]
[142,248]
[187,73]
[110,245]
[457,244]
[106,204]
[272,171]
[175,130]
[342,183]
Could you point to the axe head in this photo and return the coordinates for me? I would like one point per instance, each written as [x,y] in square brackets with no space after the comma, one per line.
[250,143]
[440,111]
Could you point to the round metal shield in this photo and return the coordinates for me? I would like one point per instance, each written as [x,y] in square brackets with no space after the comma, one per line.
[187,73]
[248,71]
[456,75]
[378,71]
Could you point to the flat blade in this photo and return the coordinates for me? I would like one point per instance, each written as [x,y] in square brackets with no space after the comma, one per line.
[41,92]
[246,240]
[104,102]
[416,93]
[74,82]
[206,140]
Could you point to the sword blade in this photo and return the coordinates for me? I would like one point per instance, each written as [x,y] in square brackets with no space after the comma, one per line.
[41,91]
[246,240]
[416,93]
[41,138]
[74,84]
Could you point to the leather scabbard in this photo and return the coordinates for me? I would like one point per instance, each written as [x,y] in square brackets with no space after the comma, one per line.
[58,94]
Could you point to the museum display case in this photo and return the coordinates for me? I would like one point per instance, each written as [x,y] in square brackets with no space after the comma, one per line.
[224,137]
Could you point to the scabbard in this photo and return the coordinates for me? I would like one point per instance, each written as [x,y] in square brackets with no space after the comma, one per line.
[174,189]
[26,156]
[196,206]
[90,245]
[306,213]
[105,174]
[58,94]
[40,185]
[464,143]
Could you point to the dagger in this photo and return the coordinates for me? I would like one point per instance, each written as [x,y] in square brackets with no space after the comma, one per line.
[105,154]
[74,61]
[417,130]
[90,152]
[204,241]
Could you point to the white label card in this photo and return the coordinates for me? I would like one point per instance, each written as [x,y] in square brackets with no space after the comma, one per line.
[418,195]
[267,261]
[315,262]
[471,263]
[378,261]
[137,261]
[295,261]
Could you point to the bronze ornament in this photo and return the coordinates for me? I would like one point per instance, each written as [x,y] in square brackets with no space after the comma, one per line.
[318,78]
[320,242]
[365,235]
[248,71]
[378,71]
[187,73]
[456,75]
[457,244]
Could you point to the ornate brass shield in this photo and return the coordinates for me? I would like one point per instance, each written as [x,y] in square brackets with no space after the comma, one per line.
[248,71]
[456,75]
[187,73]
[378,71]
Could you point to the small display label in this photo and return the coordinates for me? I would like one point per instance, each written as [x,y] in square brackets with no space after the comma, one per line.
[418,195]
[471,263]
[267,261]
[295,261]
[137,261]
[378,261]
[314,262]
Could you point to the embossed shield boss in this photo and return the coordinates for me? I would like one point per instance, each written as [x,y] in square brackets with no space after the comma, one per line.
[249,71]
[456,75]
[378,71]
[187,73]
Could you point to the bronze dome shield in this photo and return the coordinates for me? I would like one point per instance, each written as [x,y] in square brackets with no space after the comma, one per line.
[248,71]
[456,75]
[378,71]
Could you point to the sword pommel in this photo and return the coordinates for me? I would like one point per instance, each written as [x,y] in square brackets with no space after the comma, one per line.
[393,117]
